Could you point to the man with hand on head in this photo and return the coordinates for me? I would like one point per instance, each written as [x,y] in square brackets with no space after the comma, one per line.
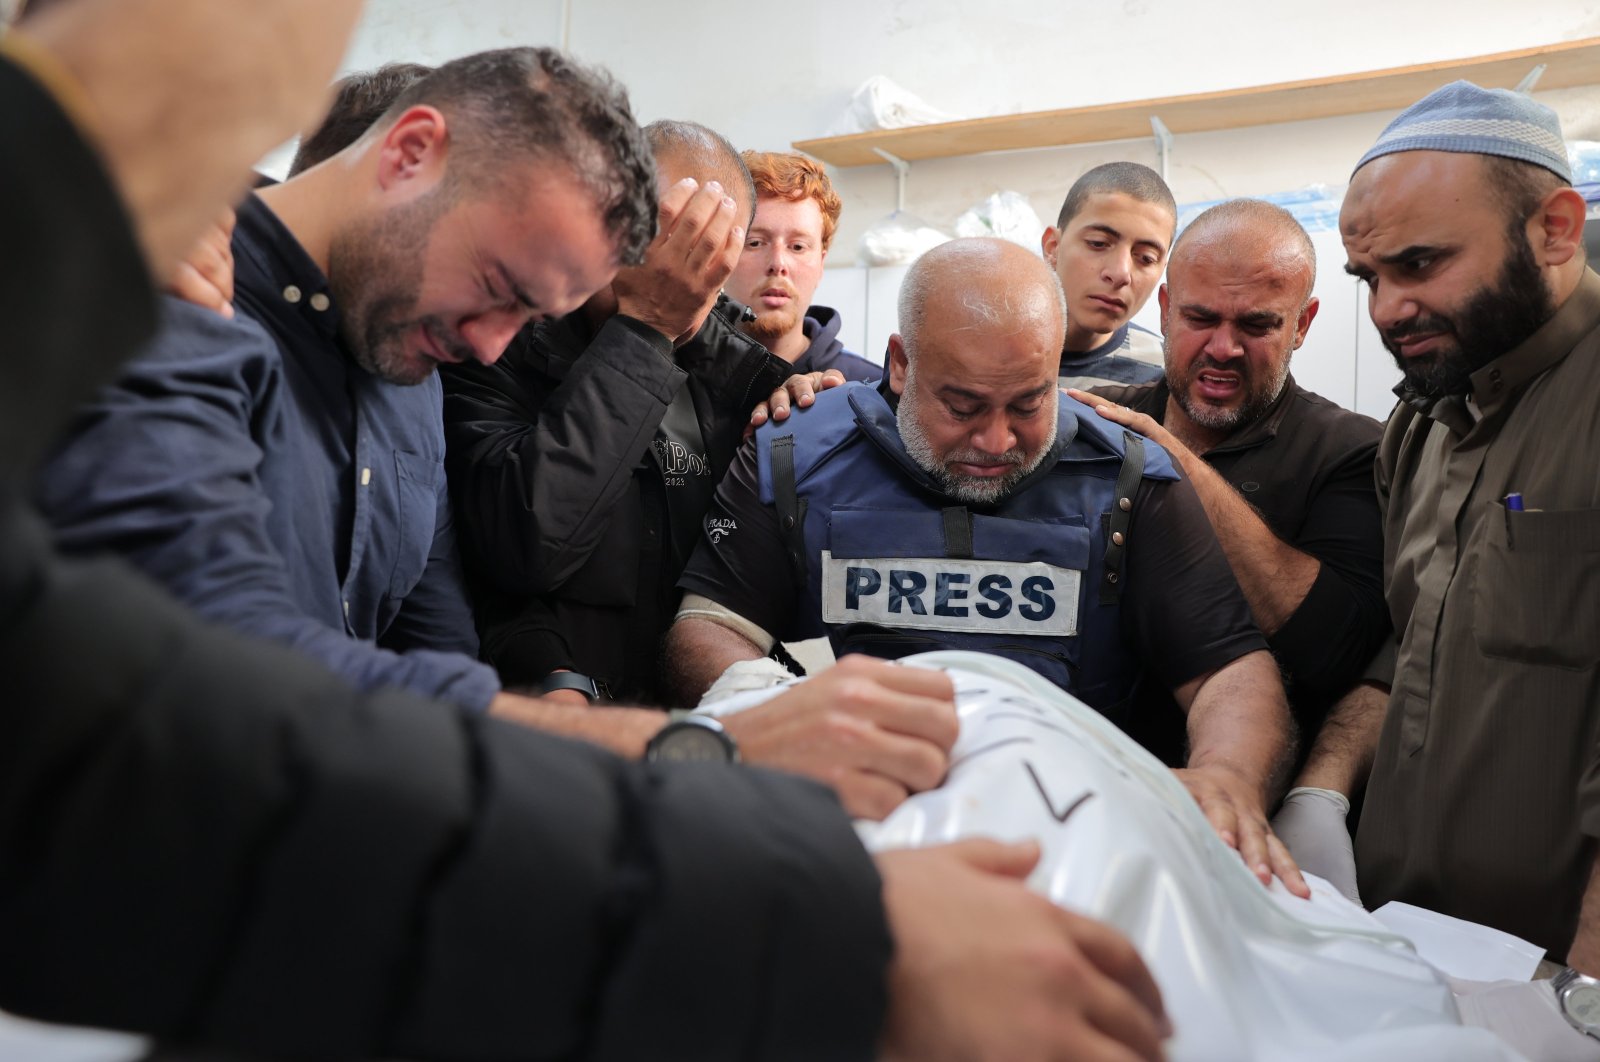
[1109,246]
[584,461]
[269,823]
[966,504]
[1285,475]
[282,471]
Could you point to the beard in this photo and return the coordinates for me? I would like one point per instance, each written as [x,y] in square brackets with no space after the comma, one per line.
[1493,321]
[772,325]
[375,275]
[969,490]
[1259,391]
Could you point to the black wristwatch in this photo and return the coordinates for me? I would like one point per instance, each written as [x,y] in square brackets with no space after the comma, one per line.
[1578,996]
[692,739]
[571,680]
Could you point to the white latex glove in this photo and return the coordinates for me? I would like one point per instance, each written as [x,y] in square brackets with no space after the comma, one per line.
[1526,1016]
[1311,824]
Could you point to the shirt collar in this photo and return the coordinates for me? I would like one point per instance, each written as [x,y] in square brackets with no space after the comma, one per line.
[271,263]
[1075,359]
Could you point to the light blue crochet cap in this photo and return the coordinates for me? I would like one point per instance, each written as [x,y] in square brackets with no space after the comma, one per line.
[1478,121]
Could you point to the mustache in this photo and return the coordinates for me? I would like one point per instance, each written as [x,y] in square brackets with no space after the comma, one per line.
[1419,326]
[1238,366]
[780,285]
[1013,457]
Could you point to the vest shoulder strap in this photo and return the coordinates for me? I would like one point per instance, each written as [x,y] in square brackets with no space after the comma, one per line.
[1128,479]
[790,507]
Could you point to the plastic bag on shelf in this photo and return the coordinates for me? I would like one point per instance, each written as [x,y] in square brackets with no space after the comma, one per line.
[881,104]
[1006,214]
[898,239]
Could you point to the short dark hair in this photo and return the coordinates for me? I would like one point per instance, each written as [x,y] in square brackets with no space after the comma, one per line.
[538,104]
[1129,178]
[359,100]
[1519,187]
[707,152]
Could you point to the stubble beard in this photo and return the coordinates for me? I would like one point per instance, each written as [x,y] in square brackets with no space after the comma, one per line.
[374,275]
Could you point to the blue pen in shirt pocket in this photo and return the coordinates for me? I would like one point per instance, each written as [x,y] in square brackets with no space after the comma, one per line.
[1512,503]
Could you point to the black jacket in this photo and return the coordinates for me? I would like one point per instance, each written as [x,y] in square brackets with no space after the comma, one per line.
[218,842]
[565,500]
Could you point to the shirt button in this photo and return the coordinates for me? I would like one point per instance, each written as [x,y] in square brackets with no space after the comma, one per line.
[347,608]
[366,476]
[1125,504]
[291,294]
[319,302]
[1116,536]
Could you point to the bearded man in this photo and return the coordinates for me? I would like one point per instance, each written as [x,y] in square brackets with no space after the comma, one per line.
[1484,792]
[965,503]
[1285,475]
[283,471]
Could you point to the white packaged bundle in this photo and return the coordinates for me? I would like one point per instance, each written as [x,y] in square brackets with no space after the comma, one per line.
[1247,972]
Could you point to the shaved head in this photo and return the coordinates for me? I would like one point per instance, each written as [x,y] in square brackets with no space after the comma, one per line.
[1252,230]
[980,282]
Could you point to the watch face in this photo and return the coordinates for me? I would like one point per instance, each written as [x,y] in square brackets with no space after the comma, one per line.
[692,744]
[1583,1003]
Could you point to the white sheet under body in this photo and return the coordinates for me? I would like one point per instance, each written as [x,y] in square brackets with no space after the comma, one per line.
[1247,972]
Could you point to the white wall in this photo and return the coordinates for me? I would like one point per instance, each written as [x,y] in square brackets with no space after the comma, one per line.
[766,84]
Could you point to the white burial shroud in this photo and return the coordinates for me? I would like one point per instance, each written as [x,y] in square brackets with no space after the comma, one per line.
[1246,972]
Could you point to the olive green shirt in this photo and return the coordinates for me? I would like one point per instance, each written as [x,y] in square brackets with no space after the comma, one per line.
[1484,800]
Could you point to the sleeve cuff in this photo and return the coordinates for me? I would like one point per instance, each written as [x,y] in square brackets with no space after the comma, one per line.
[1324,643]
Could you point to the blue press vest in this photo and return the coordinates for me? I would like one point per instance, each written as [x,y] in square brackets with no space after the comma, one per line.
[907,569]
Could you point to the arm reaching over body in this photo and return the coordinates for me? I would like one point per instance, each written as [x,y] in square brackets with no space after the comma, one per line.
[873,731]
[1312,821]
[1240,740]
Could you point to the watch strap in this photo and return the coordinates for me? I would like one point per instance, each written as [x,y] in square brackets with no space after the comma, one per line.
[570,680]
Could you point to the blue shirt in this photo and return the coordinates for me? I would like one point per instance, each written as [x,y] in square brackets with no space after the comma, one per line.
[256,470]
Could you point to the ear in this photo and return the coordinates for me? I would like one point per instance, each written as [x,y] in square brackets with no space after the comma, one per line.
[1048,244]
[1307,315]
[414,149]
[1556,228]
[898,364]
[1164,300]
